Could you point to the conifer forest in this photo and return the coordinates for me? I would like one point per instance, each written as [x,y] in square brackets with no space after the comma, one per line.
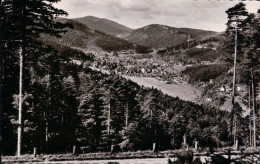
[55,95]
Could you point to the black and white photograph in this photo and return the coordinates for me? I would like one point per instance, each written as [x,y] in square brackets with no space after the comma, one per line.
[130,81]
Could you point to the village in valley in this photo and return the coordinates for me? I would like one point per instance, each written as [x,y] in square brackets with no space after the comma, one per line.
[91,90]
[143,65]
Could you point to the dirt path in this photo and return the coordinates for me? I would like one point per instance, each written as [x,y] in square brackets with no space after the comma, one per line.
[122,161]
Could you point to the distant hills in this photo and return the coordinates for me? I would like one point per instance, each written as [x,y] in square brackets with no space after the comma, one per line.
[104,25]
[84,37]
[91,31]
[155,35]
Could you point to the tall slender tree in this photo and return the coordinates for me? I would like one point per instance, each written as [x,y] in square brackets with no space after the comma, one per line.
[254,113]
[1,72]
[25,21]
[234,34]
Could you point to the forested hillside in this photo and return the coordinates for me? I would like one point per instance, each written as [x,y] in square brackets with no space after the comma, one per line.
[156,35]
[80,35]
[68,104]
[56,99]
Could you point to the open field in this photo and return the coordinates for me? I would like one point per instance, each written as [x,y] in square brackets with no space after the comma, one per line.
[183,91]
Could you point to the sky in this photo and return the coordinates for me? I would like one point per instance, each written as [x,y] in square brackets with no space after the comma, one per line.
[198,14]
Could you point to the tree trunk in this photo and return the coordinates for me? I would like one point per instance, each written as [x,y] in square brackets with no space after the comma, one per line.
[235,130]
[46,137]
[20,118]
[126,120]
[249,106]
[20,113]
[46,133]
[108,121]
[151,118]
[1,82]
[234,87]
[254,117]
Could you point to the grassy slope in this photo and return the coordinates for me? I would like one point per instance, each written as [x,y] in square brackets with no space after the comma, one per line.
[183,91]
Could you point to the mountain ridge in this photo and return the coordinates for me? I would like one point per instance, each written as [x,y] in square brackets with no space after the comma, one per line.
[155,35]
[103,25]
[84,37]
[152,35]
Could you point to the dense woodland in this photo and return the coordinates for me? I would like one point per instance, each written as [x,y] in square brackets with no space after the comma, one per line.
[204,73]
[67,104]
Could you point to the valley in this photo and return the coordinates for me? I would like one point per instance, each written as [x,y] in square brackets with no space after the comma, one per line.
[89,88]
[185,68]
[148,71]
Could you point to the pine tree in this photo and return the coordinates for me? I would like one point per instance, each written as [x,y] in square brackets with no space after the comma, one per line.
[91,111]
[1,72]
[247,40]
[235,40]
[237,19]
[24,21]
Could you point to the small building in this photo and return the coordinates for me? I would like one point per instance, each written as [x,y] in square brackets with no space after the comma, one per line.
[181,63]
[77,62]
[222,89]
[228,89]
[199,46]
[149,70]
[206,62]
[143,70]
[230,70]
[209,99]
